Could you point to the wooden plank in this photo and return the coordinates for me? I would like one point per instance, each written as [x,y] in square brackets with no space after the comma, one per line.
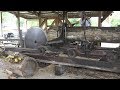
[23,16]
[21,50]
[9,39]
[78,62]
[79,29]
[54,14]
[34,13]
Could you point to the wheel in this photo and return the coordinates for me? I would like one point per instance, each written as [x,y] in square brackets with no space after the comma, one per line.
[71,53]
[29,67]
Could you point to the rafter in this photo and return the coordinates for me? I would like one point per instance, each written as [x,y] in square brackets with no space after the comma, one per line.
[58,14]
[105,15]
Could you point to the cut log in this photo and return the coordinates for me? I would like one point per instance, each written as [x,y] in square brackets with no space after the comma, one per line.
[28,67]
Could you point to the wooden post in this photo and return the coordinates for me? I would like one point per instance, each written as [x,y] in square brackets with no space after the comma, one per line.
[46,24]
[99,19]
[56,22]
[40,19]
[60,22]
[20,33]
[64,17]
[26,24]
[99,25]
[1,24]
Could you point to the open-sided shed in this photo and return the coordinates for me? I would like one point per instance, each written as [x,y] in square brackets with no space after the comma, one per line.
[43,16]
[57,15]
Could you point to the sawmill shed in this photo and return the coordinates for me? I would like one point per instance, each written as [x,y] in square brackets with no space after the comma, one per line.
[43,16]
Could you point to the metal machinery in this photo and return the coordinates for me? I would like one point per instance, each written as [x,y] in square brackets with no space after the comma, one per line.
[107,59]
[34,37]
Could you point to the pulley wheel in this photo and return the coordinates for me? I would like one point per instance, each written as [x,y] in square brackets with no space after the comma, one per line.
[71,53]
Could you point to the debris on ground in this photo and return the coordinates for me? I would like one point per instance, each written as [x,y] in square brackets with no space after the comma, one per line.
[14,58]
[18,64]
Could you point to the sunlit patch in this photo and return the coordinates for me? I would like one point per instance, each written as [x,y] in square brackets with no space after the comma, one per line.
[110,45]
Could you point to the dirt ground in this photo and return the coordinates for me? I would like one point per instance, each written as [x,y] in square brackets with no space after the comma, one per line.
[70,73]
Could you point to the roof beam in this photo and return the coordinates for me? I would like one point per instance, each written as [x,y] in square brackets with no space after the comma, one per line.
[105,15]
[56,14]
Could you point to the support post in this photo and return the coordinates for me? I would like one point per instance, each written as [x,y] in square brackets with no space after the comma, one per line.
[46,24]
[99,20]
[1,31]
[56,22]
[20,32]
[26,24]
[65,24]
[40,19]
[64,16]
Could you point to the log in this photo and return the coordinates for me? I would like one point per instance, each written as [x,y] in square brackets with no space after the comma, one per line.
[95,35]
[28,66]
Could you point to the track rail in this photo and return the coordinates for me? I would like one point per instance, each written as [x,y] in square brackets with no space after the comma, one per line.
[76,62]
[54,58]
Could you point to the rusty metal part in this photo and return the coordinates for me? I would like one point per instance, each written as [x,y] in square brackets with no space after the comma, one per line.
[85,49]
[71,53]
[42,50]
